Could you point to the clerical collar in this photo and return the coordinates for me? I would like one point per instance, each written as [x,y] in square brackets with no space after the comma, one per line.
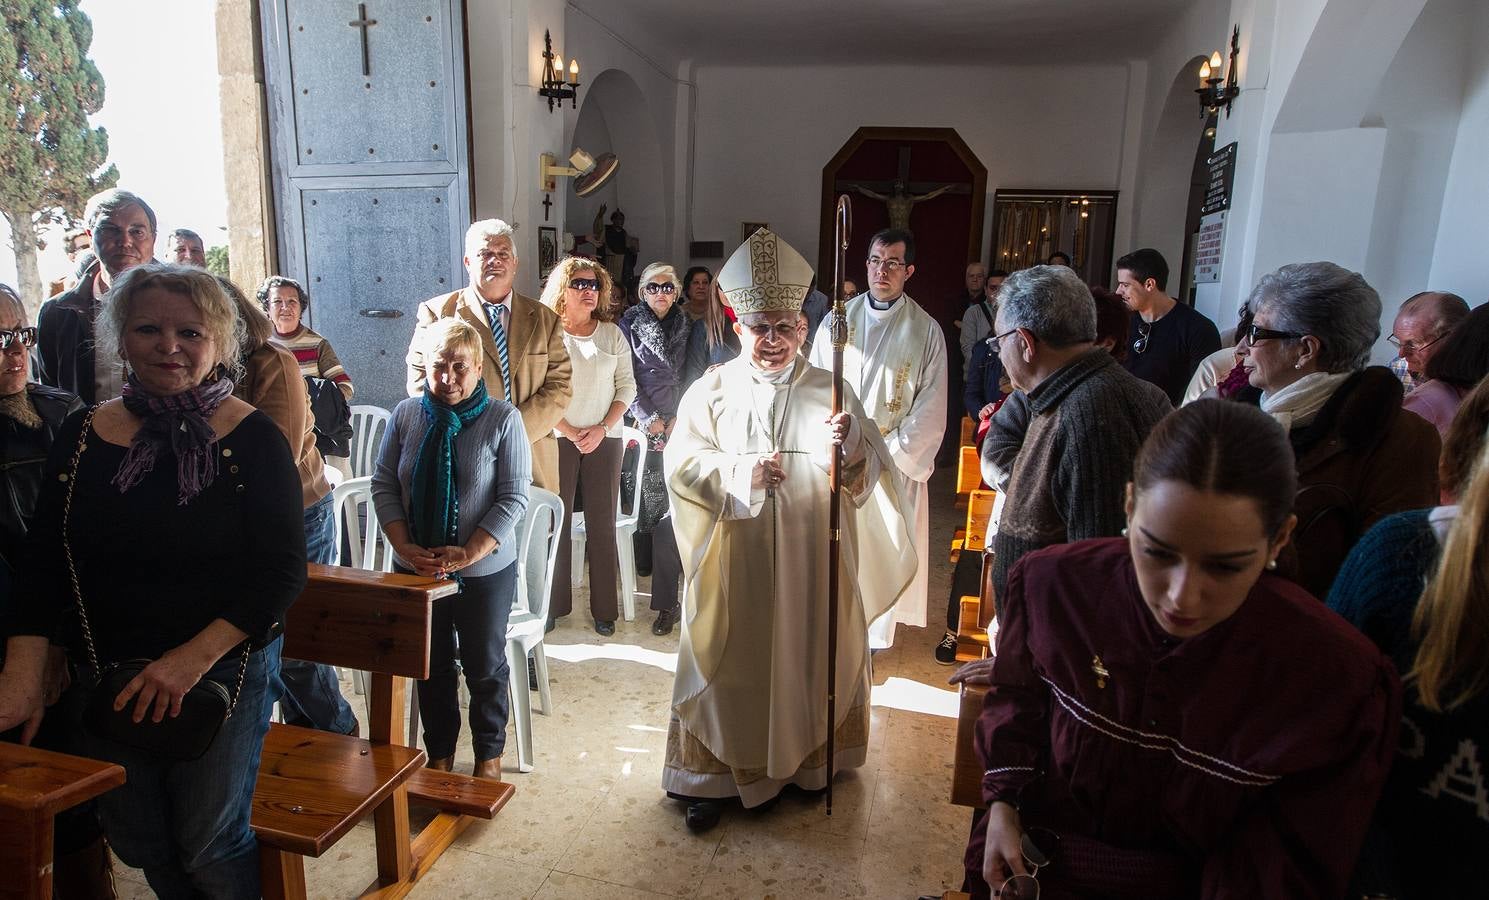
[882,307]
[778,377]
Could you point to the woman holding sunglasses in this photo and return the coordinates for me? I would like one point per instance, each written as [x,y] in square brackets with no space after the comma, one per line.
[659,332]
[1198,727]
[1359,455]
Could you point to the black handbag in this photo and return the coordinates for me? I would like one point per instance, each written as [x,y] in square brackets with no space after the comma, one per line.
[333,418]
[183,737]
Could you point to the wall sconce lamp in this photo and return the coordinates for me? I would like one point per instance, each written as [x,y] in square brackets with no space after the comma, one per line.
[1212,95]
[554,87]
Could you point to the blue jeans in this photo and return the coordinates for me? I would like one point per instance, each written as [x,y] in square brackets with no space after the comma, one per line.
[186,823]
[310,694]
[478,615]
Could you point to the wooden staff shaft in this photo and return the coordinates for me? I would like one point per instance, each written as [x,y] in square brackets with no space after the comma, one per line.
[839,331]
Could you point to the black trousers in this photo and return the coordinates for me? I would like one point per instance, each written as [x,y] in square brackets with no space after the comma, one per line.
[966,581]
[666,565]
[477,617]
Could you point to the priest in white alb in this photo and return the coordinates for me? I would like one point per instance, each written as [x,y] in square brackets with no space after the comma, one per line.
[747,472]
[896,365]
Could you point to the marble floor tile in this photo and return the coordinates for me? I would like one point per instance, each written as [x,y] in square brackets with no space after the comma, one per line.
[756,859]
[462,875]
[563,886]
[637,838]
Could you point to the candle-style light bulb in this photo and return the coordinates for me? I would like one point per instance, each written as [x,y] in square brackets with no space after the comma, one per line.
[1215,63]
[1204,71]
[558,67]
[573,71]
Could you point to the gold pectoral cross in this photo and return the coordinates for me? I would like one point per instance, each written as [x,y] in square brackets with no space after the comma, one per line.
[1100,671]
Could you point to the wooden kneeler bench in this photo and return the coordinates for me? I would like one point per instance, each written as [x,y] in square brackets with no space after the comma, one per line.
[972,644]
[313,787]
[35,785]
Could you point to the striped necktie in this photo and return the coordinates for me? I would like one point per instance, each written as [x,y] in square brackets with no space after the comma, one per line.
[499,336]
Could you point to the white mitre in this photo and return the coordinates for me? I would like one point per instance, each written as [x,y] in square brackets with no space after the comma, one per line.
[765,274]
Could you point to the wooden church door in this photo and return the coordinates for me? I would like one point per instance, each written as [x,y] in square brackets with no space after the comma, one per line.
[368,121]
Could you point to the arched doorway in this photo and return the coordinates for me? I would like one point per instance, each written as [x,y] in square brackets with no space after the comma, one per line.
[1170,197]
[615,117]
[947,226]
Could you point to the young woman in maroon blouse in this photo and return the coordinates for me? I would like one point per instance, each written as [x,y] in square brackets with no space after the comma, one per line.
[1168,719]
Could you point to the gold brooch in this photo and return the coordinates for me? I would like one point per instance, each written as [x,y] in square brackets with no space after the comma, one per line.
[1100,670]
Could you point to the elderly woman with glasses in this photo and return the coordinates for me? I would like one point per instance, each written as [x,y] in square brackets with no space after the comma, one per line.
[1113,736]
[451,487]
[589,444]
[665,360]
[1360,456]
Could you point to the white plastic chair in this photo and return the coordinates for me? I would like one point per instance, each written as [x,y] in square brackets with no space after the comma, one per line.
[625,528]
[368,426]
[537,555]
[359,542]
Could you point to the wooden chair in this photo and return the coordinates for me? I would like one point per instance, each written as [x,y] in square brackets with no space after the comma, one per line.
[313,787]
[35,785]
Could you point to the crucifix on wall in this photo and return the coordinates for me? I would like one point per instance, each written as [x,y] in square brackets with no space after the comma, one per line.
[364,23]
[901,195]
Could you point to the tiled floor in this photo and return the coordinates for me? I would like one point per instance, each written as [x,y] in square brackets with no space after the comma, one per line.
[591,820]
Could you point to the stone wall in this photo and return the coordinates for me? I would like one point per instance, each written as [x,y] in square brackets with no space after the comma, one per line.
[245,143]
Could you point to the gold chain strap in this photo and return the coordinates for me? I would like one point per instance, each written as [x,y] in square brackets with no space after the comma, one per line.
[72,570]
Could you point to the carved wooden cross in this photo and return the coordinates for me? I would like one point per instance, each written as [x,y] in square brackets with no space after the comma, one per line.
[547,204]
[901,194]
[364,23]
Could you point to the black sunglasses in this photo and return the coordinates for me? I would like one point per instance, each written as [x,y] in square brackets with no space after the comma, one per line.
[665,287]
[27,337]
[1254,332]
[585,284]
[1145,331]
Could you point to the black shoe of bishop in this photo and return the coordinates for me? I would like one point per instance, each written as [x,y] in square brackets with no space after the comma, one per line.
[604,628]
[702,815]
[946,650]
[666,620]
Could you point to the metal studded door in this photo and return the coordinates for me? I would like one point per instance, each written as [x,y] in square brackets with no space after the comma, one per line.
[367,114]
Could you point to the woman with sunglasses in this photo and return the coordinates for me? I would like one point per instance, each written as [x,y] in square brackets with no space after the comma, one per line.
[1359,455]
[589,443]
[30,417]
[664,356]
[1198,727]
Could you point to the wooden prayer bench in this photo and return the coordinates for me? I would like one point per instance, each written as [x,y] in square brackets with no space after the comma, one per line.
[36,785]
[972,644]
[313,787]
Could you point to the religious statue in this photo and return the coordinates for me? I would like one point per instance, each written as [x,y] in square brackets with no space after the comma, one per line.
[900,201]
[618,249]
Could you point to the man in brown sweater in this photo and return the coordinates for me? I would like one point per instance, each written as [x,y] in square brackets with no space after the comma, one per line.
[1087,417]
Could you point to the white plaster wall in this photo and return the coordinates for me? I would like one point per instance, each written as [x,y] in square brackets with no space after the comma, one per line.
[1459,261]
[763,134]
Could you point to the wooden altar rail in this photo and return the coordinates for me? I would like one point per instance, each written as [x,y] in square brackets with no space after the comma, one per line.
[36,785]
[313,787]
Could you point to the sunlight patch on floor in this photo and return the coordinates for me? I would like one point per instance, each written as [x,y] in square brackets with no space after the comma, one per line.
[912,696]
[576,653]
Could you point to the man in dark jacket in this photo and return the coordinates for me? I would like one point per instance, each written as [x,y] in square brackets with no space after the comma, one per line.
[122,227]
[1087,417]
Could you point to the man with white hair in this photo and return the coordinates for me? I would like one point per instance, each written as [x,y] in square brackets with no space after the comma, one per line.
[747,471]
[525,362]
[1087,418]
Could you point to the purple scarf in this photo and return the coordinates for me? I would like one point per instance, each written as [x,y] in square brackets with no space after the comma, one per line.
[177,423]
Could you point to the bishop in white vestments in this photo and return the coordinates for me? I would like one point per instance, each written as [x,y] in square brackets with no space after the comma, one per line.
[896,364]
[747,471]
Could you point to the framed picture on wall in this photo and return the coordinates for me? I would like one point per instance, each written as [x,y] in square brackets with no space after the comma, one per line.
[748,228]
[547,251]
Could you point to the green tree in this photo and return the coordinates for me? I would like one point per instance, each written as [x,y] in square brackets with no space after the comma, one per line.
[53,160]
[217,261]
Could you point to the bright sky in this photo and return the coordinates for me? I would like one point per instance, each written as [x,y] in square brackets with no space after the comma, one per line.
[159,65]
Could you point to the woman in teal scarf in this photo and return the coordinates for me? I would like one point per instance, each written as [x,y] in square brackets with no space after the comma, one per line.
[450,488]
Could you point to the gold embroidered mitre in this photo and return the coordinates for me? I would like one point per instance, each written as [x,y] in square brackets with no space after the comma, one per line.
[765,274]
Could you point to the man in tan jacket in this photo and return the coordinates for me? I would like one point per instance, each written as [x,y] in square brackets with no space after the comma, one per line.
[536,358]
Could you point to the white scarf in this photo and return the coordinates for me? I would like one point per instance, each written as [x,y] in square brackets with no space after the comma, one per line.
[1300,401]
